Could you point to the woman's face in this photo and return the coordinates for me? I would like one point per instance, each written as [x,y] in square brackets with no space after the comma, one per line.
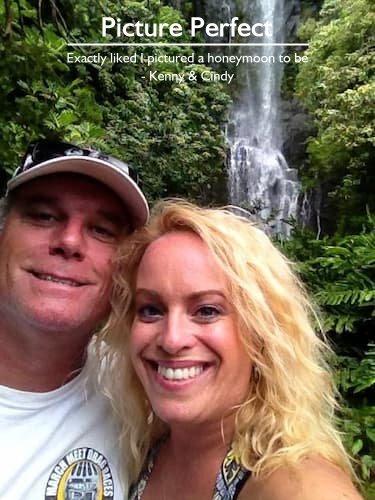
[184,343]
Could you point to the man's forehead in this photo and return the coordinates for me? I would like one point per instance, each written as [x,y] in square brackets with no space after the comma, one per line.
[65,188]
[68,179]
[68,185]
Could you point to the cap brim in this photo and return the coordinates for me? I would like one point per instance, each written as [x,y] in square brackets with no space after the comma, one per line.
[110,175]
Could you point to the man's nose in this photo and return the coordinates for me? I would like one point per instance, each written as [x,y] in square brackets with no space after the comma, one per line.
[68,240]
[176,333]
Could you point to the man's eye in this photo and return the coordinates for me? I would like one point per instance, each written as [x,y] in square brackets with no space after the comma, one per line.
[149,313]
[42,217]
[104,232]
[207,312]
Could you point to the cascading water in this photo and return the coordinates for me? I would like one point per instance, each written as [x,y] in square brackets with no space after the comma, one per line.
[259,177]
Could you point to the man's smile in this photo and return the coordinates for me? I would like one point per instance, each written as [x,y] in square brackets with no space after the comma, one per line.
[63,280]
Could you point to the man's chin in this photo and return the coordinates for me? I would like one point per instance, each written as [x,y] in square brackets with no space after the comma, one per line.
[62,321]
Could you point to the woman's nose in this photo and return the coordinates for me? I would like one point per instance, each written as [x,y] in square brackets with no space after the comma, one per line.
[176,333]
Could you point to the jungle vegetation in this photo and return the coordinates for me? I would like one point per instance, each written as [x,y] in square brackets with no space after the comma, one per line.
[173,135]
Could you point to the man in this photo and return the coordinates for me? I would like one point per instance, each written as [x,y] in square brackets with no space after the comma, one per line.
[65,211]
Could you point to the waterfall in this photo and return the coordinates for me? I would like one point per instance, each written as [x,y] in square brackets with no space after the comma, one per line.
[259,176]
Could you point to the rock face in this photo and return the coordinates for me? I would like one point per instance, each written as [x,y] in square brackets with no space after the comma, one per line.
[292,17]
[297,127]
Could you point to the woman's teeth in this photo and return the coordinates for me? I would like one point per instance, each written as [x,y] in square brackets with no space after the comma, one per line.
[179,373]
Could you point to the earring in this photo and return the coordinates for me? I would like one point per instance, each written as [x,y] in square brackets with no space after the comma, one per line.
[255,374]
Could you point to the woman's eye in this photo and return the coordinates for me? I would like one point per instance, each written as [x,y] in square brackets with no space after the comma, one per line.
[207,312]
[149,313]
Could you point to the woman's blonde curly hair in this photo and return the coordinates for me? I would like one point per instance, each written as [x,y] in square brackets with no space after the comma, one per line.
[290,409]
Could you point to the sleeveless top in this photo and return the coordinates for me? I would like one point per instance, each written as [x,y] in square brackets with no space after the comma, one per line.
[229,480]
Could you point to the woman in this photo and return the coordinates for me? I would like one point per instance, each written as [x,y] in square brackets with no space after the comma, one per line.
[215,368]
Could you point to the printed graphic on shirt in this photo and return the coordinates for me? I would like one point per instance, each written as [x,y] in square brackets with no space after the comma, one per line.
[82,474]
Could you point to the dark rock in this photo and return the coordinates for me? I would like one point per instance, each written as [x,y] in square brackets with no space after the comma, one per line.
[297,126]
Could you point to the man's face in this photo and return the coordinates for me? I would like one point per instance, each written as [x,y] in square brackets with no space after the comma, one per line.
[56,250]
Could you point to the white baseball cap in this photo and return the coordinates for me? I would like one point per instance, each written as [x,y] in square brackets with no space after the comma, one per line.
[46,157]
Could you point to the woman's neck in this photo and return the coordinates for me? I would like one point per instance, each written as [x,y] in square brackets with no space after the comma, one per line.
[200,439]
[199,448]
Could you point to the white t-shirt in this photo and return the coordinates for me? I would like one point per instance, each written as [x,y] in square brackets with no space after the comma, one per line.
[58,445]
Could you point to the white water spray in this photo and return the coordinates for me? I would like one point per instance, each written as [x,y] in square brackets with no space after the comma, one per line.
[258,172]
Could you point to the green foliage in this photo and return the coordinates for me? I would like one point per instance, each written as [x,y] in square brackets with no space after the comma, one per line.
[337,86]
[170,132]
[356,376]
[358,429]
[173,134]
[347,271]
[340,274]
[39,95]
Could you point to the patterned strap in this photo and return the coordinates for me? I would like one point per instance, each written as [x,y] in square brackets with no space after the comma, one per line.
[137,489]
[230,479]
